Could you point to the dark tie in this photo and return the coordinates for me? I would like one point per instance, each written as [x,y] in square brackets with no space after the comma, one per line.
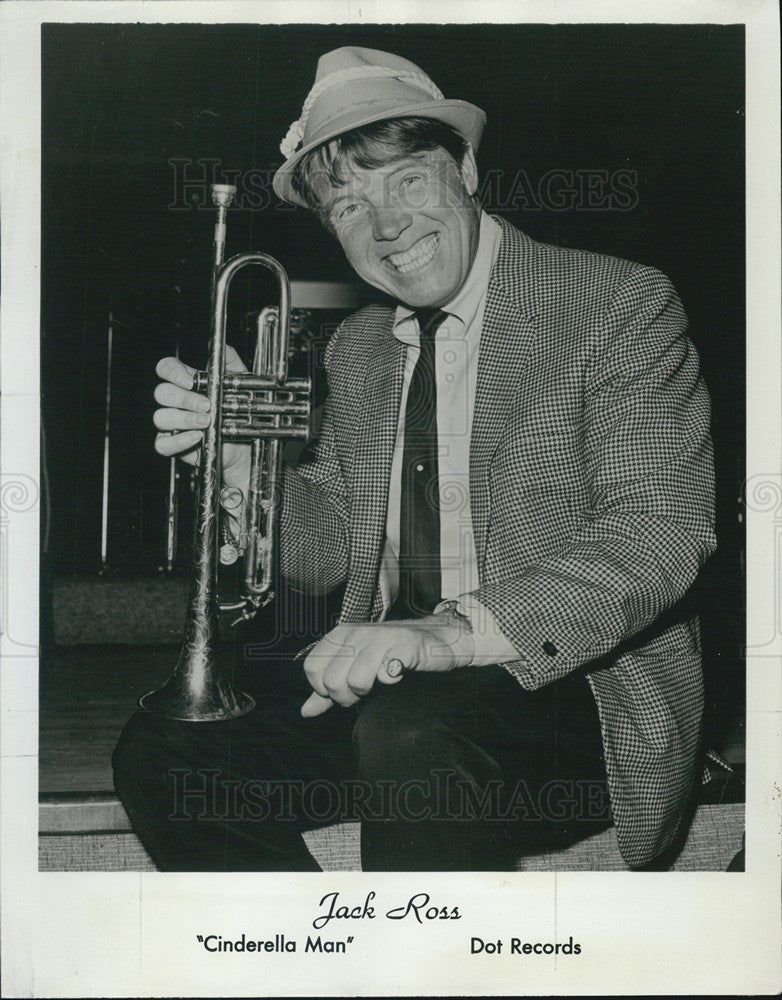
[419,529]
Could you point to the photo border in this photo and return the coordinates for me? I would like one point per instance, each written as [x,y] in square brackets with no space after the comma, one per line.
[132,934]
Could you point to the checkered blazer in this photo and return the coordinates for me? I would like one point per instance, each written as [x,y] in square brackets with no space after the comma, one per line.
[591,489]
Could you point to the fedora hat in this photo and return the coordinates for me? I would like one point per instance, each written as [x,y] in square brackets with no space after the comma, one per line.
[356,86]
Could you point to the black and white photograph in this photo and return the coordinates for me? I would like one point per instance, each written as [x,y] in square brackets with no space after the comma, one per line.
[391,505]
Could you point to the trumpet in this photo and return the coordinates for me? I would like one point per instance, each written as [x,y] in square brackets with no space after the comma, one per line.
[263,407]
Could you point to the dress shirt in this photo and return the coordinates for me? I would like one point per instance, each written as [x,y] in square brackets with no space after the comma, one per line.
[456,364]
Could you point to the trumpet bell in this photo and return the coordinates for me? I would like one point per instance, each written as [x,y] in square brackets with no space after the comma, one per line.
[197,691]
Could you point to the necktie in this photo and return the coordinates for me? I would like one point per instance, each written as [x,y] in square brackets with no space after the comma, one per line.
[419,534]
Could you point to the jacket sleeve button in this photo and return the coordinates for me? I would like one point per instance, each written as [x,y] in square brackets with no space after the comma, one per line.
[550,649]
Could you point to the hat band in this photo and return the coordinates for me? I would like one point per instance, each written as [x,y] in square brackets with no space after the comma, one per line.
[295,134]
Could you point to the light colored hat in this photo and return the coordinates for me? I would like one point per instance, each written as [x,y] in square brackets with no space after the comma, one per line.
[355,87]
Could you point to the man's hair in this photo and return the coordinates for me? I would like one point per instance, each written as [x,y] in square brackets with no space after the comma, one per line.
[369,147]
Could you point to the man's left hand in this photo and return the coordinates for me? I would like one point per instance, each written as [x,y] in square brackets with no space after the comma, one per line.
[344,666]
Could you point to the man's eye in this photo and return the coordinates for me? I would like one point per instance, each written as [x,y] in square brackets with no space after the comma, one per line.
[347,211]
[411,179]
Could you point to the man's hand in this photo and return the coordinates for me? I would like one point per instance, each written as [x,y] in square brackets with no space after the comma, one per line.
[184,414]
[347,662]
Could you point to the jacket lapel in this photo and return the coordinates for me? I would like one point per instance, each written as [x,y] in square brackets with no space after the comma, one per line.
[375,440]
[506,337]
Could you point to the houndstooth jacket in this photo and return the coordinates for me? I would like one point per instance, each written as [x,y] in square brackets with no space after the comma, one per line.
[591,490]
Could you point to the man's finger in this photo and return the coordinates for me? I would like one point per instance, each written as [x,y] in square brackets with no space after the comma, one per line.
[233,363]
[365,670]
[392,670]
[314,668]
[179,420]
[179,444]
[316,704]
[174,370]
[171,395]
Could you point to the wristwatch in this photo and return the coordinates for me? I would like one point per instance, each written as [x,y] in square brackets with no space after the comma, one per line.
[457,617]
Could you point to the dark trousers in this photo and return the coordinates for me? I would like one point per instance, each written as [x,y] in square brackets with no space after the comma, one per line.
[447,772]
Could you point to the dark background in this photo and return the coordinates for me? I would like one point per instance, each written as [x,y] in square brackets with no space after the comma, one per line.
[118,232]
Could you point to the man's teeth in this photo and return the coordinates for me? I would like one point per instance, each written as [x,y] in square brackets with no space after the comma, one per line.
[417,256]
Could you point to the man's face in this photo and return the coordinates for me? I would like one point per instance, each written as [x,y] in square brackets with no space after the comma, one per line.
[410,227]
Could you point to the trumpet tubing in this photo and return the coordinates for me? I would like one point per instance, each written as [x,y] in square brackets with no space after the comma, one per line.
[264,407]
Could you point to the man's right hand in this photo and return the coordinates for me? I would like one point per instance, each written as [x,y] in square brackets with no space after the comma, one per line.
[184,413]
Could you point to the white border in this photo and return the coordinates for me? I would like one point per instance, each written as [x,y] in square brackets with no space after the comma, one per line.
[68,934]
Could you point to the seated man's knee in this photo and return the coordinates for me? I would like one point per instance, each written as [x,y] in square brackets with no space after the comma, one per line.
[151,750]
[135,745]
[394,739]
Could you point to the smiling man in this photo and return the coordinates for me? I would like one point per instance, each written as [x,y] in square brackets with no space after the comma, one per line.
[514,485]
[409,227]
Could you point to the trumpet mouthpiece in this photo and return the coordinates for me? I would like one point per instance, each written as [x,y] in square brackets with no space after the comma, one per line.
[223,194]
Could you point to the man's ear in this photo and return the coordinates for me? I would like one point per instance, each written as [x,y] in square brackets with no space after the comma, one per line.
[469,171]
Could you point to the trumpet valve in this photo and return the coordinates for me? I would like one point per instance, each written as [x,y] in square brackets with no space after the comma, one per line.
[231,499]
[228,554]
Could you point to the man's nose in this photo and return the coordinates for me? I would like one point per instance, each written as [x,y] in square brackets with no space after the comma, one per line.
[389,223]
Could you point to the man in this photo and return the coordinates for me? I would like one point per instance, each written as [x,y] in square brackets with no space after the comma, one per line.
[514,484]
